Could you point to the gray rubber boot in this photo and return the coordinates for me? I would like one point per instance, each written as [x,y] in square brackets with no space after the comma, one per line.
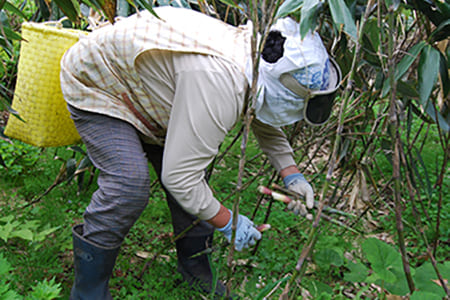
[93,266]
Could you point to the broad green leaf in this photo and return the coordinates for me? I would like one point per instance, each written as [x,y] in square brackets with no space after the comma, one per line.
[342,16]
[5,266]
[5,231]
[400,285]
[308,16]
[426,279]
[358,272]
[288,7]
[428,73]
[382,257]
[419,295]
[324,258]
[7,219]
[42,234]
[25,234]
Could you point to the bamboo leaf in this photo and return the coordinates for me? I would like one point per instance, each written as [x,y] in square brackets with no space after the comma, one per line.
[408,59]
[11,34]
[231,3]
[428,73]
[71,166]
[443,70]
[427,187]
[109,9]
[70,8]
[147,6]
[308,16]
[429,65]
[289,7]
[10,7]
[341,15]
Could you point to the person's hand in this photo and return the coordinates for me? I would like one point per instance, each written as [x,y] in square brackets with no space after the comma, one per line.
[246,233]
[297,183]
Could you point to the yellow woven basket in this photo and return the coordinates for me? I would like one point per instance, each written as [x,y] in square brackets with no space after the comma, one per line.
[38,98]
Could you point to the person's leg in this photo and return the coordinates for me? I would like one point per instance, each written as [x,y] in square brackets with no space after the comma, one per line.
[115,150]
[196,271]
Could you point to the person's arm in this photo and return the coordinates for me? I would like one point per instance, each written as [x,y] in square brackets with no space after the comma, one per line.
[206,105]
[275,145]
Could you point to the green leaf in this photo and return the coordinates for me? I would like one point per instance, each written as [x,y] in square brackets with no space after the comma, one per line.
[25,234]
[70,8]
[342,16]
[428,73]
[288,7]
[317,288]
[400,285]
[5,231]
[358,272]
[268,288]
[10,7]
[419,295]
[231,3]
[408,59]
[42,234]
[308,16]
[5,266]
[147,6]
[71,167]
[426,279]
[382,257]
[427,187]
[324,258]
[443,70]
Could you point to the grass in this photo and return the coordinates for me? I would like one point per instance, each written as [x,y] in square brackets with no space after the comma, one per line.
[255,273]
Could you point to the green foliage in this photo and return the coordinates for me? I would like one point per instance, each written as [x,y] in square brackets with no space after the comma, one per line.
[28,230]
[44,290]
[17,157]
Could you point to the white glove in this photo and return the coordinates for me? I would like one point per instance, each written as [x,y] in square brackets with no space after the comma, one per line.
[297,183]
[246,233]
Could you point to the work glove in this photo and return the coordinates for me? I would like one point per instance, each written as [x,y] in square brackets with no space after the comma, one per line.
[246,233]
[297,183]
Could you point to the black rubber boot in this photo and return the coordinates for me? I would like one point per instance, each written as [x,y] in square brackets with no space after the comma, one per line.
[93,267]
[196,271]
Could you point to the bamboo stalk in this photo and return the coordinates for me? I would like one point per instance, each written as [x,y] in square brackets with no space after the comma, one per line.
[394,133]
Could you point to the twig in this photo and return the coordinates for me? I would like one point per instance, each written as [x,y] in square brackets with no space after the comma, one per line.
[167,246]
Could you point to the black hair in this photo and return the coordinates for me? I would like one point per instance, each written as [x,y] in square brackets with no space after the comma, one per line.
[274,47]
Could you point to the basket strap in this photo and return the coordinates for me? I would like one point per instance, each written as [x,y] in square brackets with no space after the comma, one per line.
[138,115]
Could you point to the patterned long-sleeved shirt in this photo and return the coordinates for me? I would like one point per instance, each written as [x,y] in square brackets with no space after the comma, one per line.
[185,74]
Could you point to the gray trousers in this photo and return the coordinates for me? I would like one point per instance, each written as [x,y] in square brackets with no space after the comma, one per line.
[115,149]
